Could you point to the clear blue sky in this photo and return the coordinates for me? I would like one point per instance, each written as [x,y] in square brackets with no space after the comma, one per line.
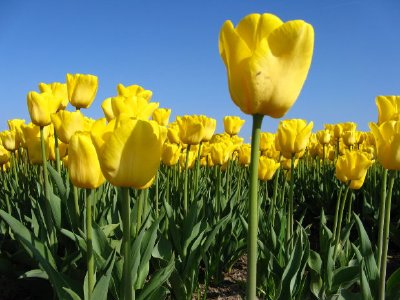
[171,48]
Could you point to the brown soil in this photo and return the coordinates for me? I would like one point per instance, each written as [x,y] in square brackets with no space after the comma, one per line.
[232,287]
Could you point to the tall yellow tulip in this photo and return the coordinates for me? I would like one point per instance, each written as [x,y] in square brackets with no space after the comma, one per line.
[82,89]
[267,168]
[233,124]
[267,62]
[134,90]
[161,116]
[59,91]
[387,137]
[293,136]
[129,150]
[191,129]
[67,123]
[388,108]
[83,163]
[352,167]
[41,106]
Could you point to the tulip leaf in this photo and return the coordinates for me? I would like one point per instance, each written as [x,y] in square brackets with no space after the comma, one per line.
[392,285]
[37,250]
[100,290]
[372,273]
[344,277]
[157,281]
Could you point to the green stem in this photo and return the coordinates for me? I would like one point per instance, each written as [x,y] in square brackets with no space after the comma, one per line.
[253,213]
[382,277]
[339,226]
[57,150]
[275,194]
[126,245]
[140,210]
[89,245]
[381,217]
[337,213]
[156,196]
[49,220]
[290,218]
[185,192]
[76,205]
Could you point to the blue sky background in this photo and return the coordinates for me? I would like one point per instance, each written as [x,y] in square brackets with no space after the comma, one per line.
[171,48]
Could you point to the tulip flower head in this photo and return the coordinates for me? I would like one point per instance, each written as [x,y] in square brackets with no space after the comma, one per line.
[67,123]
[82,89]
[161,116]
[129,150]
[292,136]
[83,163]
[352,167]
[41,106]
[59,91]
[134,90]
[191,129]
[233,124]
[267,168]
[388,108]
[387,137]
[267,62]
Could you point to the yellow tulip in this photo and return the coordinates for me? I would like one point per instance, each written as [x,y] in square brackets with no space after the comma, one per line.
[352,167]
[106,106]
[388,108]
[244,154]
[173,133]
[209,125]
[267,141]
[59,91]
[134,90]
[221,152]
[349,138]
[41,106]
[191,129]
[292,136]
[82,89]
[33,145]
[387,137]
[4,155]
[161,116]
[323,136]
[8,140]
[233,124]
[16,125]
[170,154]
[267,168]
[83,163]
[67,123]
[129,150]
[267,62]
[33,131]
[133,106]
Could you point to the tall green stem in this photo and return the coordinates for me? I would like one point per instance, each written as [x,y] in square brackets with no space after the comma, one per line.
[141,200]
[337,213]
[291,209]
[185,192]
[156,196]
[385,241]
[49,220]
[57,151]
[253,213]
[126,245]
[339,226]
[89,245]
[381,217]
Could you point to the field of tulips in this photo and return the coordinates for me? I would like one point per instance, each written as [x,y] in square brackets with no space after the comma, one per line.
[125,207]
